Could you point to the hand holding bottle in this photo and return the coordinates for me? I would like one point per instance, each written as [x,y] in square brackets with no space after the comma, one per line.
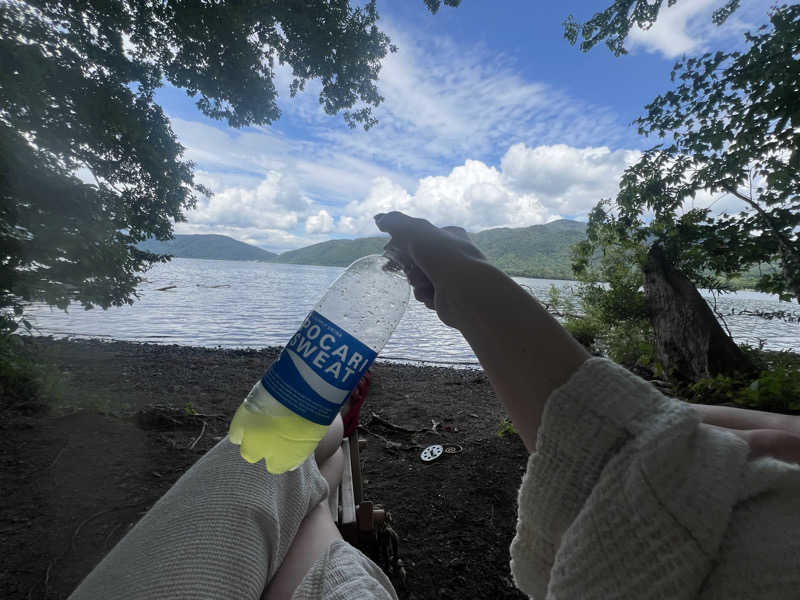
[523,350]
[438,261]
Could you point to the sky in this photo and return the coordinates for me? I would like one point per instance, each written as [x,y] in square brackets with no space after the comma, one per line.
[490,119]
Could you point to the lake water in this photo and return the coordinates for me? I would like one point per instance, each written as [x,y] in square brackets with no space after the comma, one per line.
[236,304]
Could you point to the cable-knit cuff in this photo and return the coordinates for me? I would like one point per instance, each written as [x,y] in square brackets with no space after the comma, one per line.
[606,424]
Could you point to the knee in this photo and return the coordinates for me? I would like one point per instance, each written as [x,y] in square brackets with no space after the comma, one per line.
[333,468]
[331,441]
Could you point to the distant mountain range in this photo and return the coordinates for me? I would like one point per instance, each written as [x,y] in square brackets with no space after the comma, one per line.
[219,247]
[536,251]
[334,253]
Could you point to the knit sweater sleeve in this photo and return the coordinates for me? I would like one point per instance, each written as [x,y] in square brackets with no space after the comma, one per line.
[628,495]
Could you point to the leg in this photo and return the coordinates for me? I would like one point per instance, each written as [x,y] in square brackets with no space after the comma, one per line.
[319,539]
[317,531]
[221,532]
[330,442]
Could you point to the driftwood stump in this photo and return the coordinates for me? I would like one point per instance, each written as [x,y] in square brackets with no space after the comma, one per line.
[690,343]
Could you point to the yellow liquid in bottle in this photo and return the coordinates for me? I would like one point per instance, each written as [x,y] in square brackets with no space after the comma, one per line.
[283,441]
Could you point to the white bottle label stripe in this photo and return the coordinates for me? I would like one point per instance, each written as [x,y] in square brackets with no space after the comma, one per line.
[318,369]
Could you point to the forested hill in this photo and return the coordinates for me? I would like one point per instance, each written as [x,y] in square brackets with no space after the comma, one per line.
[220,247]
[334,253]
[536,251]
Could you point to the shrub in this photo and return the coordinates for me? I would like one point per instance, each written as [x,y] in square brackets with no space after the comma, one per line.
[777,389]
[558,301]
[715,390]
[631,344]
[20,377]
[584,329]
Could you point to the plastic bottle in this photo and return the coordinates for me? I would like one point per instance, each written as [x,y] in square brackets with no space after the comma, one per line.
[289,410]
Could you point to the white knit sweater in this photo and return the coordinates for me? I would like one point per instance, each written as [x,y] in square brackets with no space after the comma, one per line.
[628,495]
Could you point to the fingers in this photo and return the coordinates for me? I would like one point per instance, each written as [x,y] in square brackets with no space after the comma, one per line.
[417,278]
[458,232]
[423,288]
[430,256]
[402,226]
[776,443]
[771,442]
[409,235]
[742,418]
[425,295]
[428,246]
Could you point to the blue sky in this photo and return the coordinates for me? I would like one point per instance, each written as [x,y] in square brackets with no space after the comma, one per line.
[490,119]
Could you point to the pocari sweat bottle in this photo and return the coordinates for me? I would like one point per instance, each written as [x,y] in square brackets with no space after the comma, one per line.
[286,413]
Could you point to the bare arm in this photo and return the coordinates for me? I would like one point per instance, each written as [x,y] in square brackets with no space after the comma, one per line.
[523,350]
[767,434]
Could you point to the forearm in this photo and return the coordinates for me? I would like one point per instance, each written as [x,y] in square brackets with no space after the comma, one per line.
[741,418]
[767,434]
[524,351]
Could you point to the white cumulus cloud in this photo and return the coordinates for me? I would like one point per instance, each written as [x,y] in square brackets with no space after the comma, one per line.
[687,28]
[532,185]
[322,222]
[276,202]
[563,178]
[464,138]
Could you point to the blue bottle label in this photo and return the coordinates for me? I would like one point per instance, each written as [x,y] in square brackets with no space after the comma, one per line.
[318,369]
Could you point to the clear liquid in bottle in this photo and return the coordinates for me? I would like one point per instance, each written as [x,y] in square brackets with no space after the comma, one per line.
[288,411]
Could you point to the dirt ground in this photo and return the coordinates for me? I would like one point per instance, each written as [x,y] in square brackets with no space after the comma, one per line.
[77,474]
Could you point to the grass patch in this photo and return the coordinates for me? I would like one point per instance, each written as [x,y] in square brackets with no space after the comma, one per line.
[776,388]
[29,384]
[23,382]
[505,427]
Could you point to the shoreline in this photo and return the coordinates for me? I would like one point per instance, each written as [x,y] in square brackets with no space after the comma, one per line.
[123,421]
[737,287]
[389,360]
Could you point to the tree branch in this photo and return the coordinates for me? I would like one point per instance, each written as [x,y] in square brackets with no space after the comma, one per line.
[785,243]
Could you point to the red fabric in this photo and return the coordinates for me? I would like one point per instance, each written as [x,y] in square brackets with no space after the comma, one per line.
[350,418]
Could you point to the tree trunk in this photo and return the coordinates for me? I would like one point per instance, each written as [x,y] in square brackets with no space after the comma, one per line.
[690,343]
[790,264]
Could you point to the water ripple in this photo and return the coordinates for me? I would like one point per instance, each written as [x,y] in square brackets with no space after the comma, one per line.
[235,304]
